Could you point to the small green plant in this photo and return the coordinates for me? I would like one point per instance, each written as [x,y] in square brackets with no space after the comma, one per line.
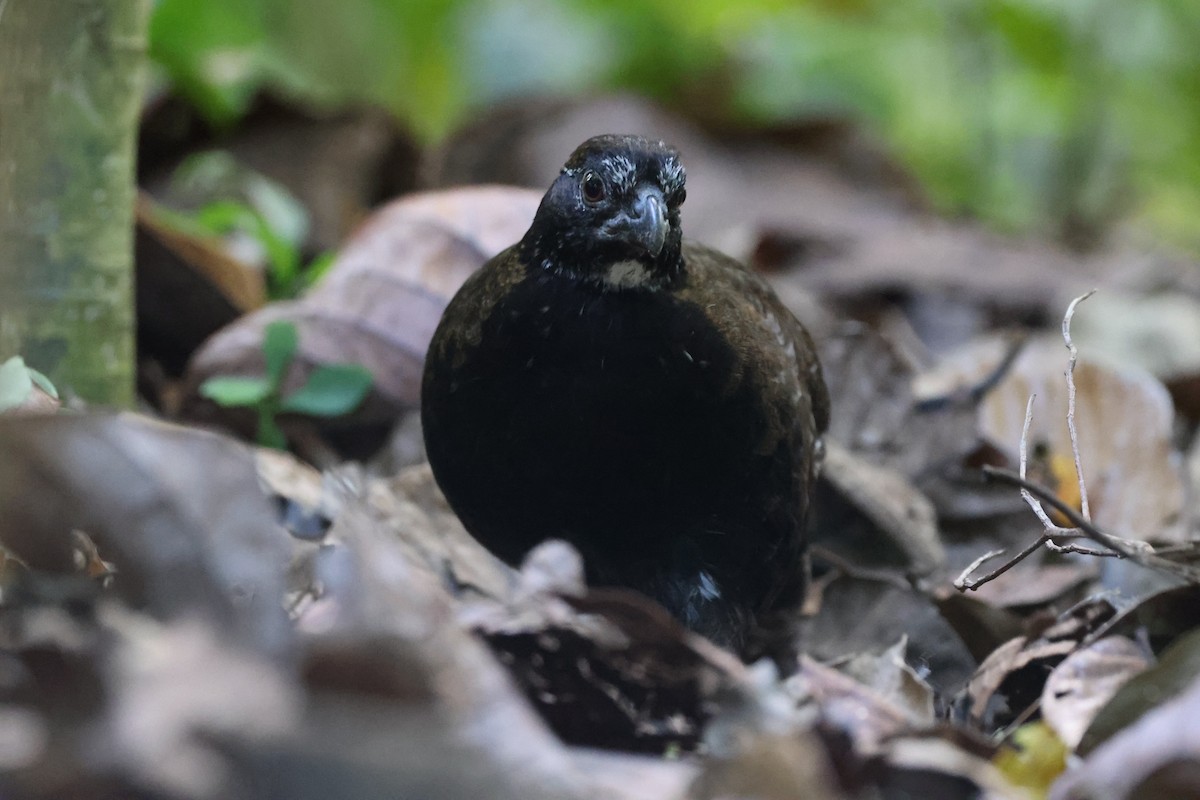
[17,381]
[287,275]
[253,214]
[330,391]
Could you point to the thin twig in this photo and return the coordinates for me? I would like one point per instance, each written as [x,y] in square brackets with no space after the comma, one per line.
[973,394]
[1138,552]
[962,583]
[1079,549]
[1024,454]
[851,570]
[1066,332]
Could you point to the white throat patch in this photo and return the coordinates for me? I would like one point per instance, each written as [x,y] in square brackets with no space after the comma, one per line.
[626,275]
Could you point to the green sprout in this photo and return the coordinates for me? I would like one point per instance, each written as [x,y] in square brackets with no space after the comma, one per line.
[17,381]
[330,391]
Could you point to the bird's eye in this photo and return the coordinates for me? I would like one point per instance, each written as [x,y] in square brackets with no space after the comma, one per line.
[593,187]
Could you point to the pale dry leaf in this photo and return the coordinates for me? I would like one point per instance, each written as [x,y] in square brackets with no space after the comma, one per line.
[1115,770]
[176,686]
[1159,333]
[1084,683]
[889,675]
[1007,659]
[862,713]
[1124,419]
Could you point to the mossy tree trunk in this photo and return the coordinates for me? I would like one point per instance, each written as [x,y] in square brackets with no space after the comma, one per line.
[71,75]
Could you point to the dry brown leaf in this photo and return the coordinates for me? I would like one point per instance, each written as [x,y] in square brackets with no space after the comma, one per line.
[188,287]
[892,678]
[178,511]
[904,520]
[1016,671]
[1084,683]
[1007,659]
[933,766]
[1124,418]
[175,688]
[865,614]
[771,768]
[866,715]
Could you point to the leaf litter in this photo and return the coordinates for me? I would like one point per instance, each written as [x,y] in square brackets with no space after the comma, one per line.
[185,616]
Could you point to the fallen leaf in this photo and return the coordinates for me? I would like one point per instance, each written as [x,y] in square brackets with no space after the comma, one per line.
[178,512]
[863,614]
[889,675]
[1135,697]
[1034,758]
[771,768]
[934,765]
[1119,768]
[1013,677]
[1124,419]
[866,715]
[1155,332]
[901,526]
[1085,682]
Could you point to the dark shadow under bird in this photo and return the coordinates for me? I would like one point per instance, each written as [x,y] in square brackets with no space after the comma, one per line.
[645,398]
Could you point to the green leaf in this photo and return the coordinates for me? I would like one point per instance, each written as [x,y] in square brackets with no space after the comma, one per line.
[15,383]
[311,275]
[215,51]
[43,382]
[222,216]
[231,390]
[279,345]
[330,391]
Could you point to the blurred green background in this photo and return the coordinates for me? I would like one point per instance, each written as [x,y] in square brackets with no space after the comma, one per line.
[1042,117]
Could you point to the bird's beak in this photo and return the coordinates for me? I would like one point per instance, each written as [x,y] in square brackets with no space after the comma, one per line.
[645,224]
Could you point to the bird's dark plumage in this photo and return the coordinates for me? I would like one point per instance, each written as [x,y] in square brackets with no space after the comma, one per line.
[645,398]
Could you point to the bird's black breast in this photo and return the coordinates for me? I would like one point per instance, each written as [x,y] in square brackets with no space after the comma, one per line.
[624,422]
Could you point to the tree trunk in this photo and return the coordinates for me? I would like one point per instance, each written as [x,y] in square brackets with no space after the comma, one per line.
[71,76]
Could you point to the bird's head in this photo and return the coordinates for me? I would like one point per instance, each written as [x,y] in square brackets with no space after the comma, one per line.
[611,218]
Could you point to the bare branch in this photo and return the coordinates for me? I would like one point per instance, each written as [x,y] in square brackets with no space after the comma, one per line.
[963,583]
[1066,332]
[852,570]
[1138,552]
[1047,523]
